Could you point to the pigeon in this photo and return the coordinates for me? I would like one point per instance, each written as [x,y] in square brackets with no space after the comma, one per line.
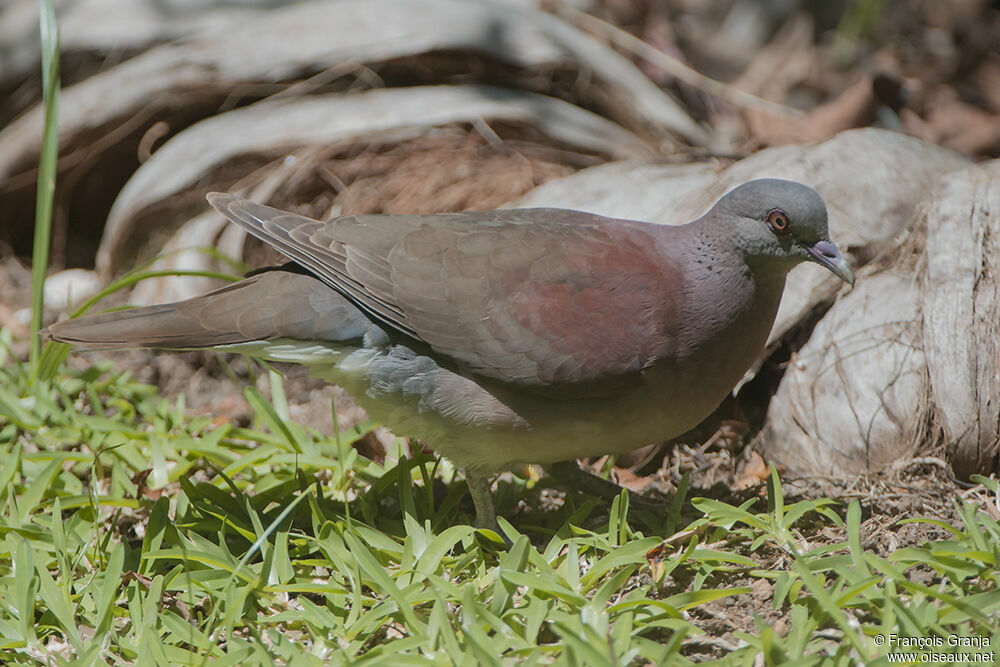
[507,337]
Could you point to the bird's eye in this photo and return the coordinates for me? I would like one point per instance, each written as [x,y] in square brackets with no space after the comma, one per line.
[779,221]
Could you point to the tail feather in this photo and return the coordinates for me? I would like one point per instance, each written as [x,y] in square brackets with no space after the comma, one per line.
[272,304]
[152,326]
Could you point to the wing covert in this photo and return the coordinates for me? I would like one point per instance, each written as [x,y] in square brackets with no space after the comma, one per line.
[535,297]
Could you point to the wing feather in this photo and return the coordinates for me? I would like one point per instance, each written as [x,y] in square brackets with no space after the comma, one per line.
[537,297]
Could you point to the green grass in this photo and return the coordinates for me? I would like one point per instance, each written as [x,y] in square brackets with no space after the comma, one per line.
[132,532]
[47,161]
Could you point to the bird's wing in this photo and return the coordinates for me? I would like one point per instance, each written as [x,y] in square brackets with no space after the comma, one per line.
[534,297]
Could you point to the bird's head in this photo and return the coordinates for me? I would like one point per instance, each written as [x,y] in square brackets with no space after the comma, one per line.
[781,223]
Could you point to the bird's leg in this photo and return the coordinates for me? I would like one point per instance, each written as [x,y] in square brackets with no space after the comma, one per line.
[479,489]
[577,479]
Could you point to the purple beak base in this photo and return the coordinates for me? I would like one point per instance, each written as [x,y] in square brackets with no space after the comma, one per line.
[826,254]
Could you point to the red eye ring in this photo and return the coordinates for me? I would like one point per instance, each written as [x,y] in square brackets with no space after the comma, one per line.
[779,221]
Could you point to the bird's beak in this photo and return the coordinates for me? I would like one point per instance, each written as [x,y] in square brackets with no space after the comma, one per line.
[826,254]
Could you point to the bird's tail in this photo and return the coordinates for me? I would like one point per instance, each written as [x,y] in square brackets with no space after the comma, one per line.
[152,326]
[269,305]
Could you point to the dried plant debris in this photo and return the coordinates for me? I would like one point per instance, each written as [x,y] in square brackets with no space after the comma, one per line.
[961,315]
[853,399]
[312,37]
[323,120]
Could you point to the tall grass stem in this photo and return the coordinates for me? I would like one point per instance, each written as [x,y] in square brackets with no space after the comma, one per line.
[46,177]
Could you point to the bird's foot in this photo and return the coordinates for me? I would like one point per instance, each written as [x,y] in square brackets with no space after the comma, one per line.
[482,497]
[570,474]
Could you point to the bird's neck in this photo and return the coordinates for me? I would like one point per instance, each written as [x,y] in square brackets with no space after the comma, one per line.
[733,299]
